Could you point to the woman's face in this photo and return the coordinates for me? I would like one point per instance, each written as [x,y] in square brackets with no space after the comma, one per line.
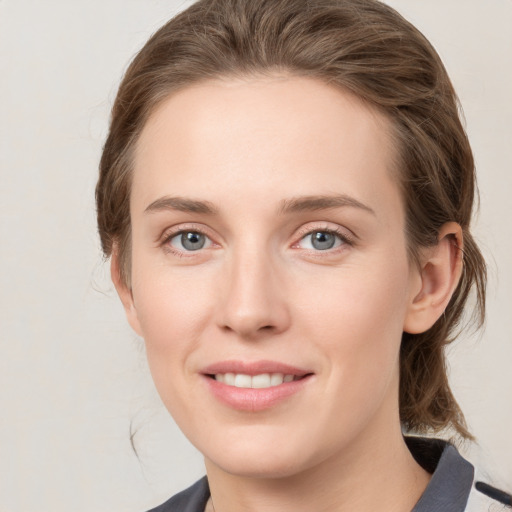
[270,278]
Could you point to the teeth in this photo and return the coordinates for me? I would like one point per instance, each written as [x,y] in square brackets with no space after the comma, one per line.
[229,379]
[263,380]
[276,379]
[243,381]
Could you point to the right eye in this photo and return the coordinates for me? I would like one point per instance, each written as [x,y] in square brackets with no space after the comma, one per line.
[188,241]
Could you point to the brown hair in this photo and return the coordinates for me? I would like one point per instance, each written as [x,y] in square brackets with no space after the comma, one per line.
[362,46]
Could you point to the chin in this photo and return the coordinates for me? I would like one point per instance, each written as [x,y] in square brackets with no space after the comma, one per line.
[258,456]
[258,467]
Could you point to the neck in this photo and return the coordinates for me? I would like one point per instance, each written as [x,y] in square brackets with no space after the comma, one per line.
[377,474]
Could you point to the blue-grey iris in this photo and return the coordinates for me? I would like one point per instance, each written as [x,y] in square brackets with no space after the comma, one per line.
[323,240]
[193,241]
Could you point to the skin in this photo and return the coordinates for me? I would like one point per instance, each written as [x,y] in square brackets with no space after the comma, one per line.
[260,290]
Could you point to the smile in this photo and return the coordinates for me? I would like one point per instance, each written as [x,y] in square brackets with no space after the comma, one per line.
[260,381]
[255,386]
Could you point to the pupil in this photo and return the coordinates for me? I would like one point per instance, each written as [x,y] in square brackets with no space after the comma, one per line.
[192,241]
[322,240]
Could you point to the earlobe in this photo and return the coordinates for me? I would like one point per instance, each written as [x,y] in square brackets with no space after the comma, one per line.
[124,292]
[439,275]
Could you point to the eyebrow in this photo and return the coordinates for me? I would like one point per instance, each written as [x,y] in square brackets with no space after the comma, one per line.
[313,203]
[293,205]
[181,204]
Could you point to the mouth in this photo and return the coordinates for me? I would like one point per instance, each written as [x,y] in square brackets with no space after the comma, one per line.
[255,386]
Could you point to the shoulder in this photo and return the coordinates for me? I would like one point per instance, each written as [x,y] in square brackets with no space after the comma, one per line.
[192,499]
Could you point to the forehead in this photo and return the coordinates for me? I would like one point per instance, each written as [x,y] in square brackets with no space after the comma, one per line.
[263,135]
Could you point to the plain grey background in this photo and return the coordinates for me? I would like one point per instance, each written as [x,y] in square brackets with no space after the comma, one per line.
[73,378]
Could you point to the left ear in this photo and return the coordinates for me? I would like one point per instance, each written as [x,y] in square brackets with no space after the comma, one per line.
[438,276]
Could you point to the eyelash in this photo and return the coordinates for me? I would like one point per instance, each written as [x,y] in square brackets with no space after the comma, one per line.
[343,237]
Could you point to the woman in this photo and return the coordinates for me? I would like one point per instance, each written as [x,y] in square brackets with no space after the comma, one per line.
[285,194]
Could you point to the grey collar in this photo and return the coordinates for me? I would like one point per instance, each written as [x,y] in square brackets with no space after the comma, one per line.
[452,475]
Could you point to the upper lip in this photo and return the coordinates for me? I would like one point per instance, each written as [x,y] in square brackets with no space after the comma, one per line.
[253,368]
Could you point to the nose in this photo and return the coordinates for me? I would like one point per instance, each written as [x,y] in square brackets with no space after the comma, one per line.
[253,298]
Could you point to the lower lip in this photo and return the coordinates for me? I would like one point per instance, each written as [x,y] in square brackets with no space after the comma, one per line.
[255,399]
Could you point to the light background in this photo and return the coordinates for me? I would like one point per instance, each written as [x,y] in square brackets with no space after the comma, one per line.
[73,379]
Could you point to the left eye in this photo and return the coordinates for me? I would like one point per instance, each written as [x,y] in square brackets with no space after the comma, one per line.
[321,240]
[190,241]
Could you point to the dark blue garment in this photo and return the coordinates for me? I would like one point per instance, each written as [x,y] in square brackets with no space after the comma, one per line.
[192,499]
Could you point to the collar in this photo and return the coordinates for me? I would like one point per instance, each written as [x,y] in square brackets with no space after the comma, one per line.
[452,475]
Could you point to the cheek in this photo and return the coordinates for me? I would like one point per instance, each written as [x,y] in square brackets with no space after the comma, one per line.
[172,312]
[362,302]
[357,326]
[173,308]
[358,322]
